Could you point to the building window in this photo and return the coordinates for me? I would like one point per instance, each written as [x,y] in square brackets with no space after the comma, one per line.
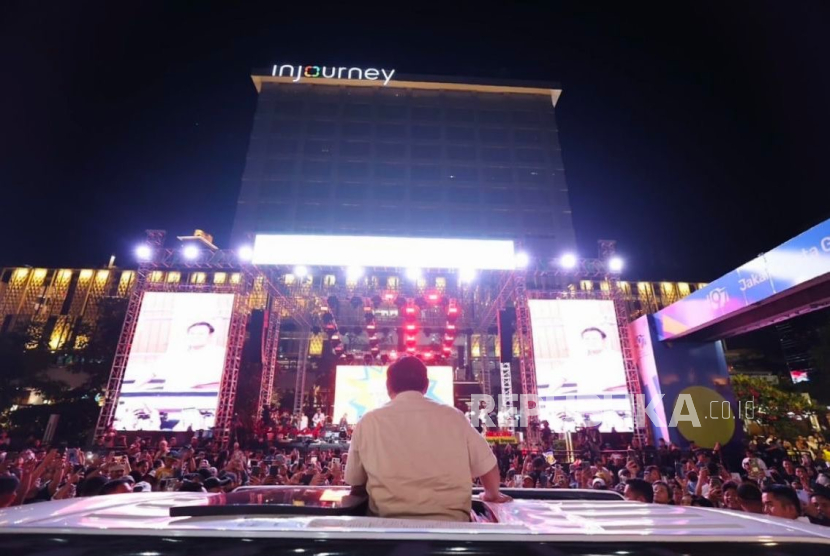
[461,152]
[492,117]
[360,111]
[528,136]
[391,131]
[495,154]
[390,171]
[318,147]
[497,174]
[426,132]
[282,146]
[392,112]
[528,118]
[394,150]
[425,172]
[494,135]
[499,196]
[455,133]
[357,129]
[314,190]
[463,195]
[460,115]
[426,113]
[426,194]
[324,110]
[355,148]
[352,191]
[531,175]
[280,167]
[462,173]
[322,129]
[276,190]
[348,169]
[530,155]
[288,107]
[428,152]
[316,169]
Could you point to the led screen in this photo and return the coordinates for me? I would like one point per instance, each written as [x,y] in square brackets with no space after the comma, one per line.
[580,373]
[175,363]
[359,389]
[404,252]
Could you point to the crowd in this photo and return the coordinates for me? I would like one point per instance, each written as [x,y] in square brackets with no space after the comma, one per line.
[771,478]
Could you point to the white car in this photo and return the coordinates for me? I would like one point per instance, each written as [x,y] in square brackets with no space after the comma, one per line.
[325,521]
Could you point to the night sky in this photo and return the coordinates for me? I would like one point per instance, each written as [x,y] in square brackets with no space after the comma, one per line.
[696,138]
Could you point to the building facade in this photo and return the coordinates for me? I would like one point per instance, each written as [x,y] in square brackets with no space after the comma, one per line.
[405,157]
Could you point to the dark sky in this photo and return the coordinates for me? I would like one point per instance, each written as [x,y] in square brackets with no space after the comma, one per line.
[696,138]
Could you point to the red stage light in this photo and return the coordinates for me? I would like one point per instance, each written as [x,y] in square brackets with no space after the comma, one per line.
[429,355]
[371,327]
[411,327]
[368,309]
[433,297]
[375,350]
[450,327]
[410,350]
[411,310]
[411,339]
[447,351]
[393,355]
[389,296]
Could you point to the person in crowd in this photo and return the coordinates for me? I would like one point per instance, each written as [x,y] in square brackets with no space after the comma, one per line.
[730,496]
[389,444]
[652,474]
[750,498]
[638,490]
[781,501]
[662,492]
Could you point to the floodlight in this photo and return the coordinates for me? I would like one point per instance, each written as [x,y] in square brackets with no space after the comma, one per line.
[568,260]
[466,274]
[190,252]
[300,271]
[522,259]
[245,253]
[354,272]
[413,273]
[615,264]
[144,252]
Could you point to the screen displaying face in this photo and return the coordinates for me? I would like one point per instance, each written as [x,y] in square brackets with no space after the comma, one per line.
[174,368]
[580,373]
[359,389]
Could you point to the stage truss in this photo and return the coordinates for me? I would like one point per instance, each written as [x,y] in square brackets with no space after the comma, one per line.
[303,301]
[191,277]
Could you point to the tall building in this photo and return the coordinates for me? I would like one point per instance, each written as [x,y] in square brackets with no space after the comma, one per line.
[364,154]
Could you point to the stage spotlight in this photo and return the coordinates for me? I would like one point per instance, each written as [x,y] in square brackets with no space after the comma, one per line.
[615,264]
[522,259]
[568,260]
[300,271]
[466,275]
[144,252]
[413,273]
[354,273]
[190,252]
[245,253]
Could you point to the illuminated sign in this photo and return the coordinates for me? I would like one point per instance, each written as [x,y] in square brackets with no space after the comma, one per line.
[326,72]
[400,252]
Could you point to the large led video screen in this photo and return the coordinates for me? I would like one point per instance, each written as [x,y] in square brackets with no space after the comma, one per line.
[174,368]
[580,374]
[360,388]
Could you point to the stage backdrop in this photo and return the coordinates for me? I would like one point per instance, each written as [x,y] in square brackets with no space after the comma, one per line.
[175,363]
[360,388]
[580,373]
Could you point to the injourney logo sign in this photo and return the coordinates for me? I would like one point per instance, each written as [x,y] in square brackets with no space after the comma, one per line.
[331,72]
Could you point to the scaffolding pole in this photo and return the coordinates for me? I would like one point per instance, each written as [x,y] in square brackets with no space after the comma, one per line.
[270,351]
[527,365]
[299,383]
[233,359]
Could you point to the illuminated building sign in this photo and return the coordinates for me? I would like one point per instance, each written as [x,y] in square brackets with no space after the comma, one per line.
[326,72]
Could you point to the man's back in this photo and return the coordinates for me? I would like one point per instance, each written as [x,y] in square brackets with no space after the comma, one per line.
[419,458]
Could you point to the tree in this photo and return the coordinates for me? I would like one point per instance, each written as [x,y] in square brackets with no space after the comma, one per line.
[98,343]
[21,366]
[780,412]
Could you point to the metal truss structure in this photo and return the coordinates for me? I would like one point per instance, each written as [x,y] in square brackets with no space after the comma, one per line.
[206,260]
[270,351]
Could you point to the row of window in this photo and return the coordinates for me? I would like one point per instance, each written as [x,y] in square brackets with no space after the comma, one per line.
[368,217]
[284,191]
[416,132]
[359,170]
[324,148]
[540,117]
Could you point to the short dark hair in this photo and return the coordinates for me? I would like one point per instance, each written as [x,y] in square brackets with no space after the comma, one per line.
[821,491]
[786,495]
[593,329]
[407,373]
[202,323]
[749,492]
[729,485]
[641,488]
[651,468]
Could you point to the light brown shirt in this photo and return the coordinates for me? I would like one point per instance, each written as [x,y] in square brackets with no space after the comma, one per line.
[417,459]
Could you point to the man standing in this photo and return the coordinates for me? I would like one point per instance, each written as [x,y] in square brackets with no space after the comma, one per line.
[417,458]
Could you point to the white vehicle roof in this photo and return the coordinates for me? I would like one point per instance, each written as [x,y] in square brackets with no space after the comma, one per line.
[520,520]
